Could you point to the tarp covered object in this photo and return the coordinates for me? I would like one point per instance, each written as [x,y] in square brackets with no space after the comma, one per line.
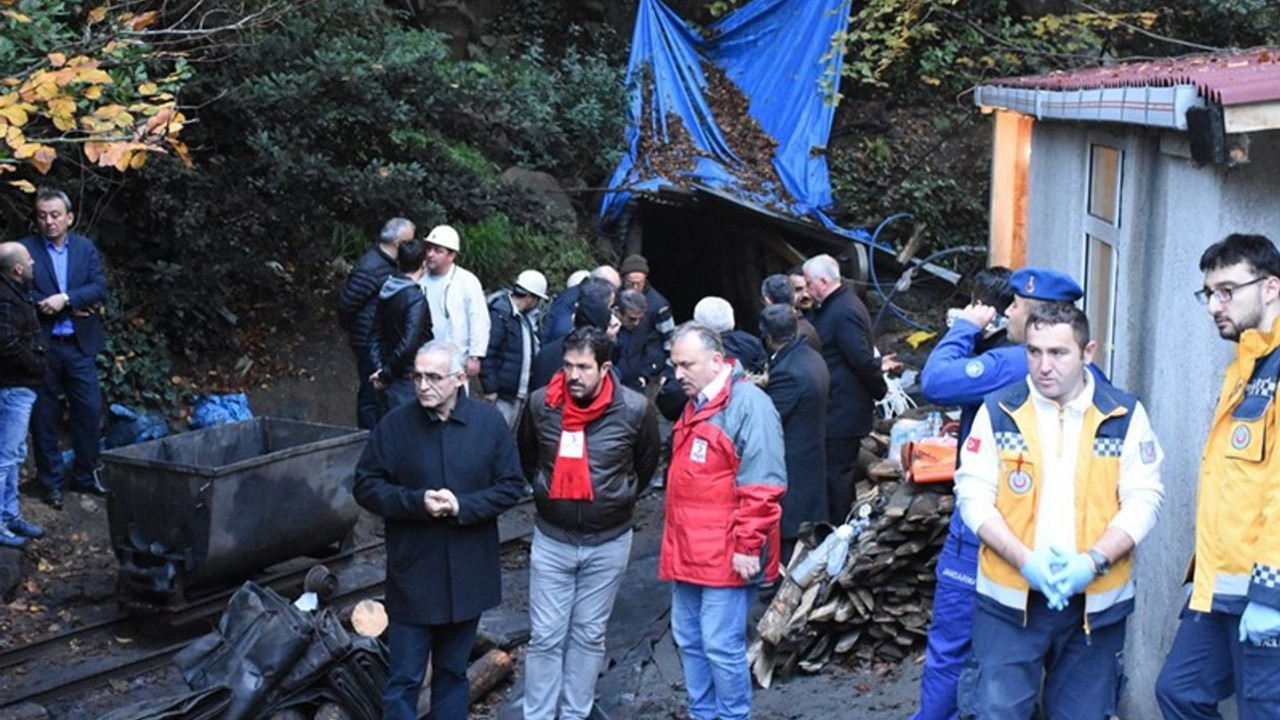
[780,55]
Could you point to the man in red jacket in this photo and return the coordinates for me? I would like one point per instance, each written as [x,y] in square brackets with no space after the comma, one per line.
[721,536]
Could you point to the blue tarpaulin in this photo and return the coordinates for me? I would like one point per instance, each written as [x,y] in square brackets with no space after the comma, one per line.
[780,55]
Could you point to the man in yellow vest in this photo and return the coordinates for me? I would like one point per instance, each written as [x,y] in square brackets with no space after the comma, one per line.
[1059,479]
[1228,642]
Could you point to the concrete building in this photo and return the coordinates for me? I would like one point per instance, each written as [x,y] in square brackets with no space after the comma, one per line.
[1122,176]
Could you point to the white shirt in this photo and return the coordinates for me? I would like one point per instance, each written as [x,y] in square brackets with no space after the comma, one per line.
[458,310]
[1140,488]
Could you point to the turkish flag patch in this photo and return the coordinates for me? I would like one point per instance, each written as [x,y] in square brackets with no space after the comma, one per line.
[973,445]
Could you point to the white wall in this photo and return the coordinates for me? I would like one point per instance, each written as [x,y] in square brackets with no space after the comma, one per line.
[1167,350]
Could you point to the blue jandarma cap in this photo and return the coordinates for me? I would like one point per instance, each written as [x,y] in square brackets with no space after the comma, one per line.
[1043,284]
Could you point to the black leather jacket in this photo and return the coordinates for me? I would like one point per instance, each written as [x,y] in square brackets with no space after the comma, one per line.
[21,342]
[401,325]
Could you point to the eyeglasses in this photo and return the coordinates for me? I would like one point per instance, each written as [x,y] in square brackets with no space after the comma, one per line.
[1224,293]
[418,378]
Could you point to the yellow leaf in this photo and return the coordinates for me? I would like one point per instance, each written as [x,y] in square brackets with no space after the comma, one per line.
[14,115]
[43,159]
[16,16]
[65,123]
[148,88]
[23,185]
[57,59]
[139,159]
[180,148]
[25,150]
[94,76]
[93,92]
[92,150]
[14,138]
[122,162]
[97,14]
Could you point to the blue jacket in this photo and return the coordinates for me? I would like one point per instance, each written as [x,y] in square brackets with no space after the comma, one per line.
[86,286]
[500,371]
[964,367]
[558,320]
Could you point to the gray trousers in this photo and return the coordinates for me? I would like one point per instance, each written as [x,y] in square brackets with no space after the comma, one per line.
[571,593]
[511,410]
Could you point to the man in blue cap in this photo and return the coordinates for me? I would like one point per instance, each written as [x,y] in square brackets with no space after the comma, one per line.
[968,363]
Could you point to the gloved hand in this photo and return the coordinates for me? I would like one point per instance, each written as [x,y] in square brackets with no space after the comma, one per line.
[1259,623]
[1074,573]
[1037,570]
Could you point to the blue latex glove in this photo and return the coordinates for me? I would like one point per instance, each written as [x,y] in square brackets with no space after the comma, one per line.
[1259,623]
[1037,570]
[1074,573]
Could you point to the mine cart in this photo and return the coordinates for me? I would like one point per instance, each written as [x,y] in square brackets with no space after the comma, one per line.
[195,513]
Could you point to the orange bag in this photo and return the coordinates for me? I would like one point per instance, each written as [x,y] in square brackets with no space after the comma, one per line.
[931,460]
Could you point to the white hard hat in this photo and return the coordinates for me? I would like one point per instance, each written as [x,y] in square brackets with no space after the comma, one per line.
[576,277]
[446,237]
[534,282]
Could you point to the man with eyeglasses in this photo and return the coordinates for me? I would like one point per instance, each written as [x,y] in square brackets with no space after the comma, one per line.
[1228,640]
[439,472]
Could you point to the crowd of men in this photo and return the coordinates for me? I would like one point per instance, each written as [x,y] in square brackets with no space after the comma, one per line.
[475,401]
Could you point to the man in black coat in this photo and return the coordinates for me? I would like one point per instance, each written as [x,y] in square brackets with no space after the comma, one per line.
[401,325]
[848,347]
[359,302]
[439,472]
[513,344]
[22,370]
[798,386]
[68,287]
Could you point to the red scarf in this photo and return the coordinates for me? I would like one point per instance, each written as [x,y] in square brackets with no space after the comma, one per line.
[571,474]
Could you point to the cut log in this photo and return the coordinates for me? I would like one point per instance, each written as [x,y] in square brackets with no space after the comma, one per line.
[369,618]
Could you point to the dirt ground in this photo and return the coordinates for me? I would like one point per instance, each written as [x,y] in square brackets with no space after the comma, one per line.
[67,579]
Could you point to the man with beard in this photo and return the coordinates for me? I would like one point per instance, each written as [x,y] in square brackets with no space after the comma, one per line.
[1228,639]
[589,445]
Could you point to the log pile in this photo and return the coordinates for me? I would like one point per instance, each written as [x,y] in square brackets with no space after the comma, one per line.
[876,606]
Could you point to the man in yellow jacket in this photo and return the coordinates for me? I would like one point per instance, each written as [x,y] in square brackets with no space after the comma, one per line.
[1059,479]
[1228,641]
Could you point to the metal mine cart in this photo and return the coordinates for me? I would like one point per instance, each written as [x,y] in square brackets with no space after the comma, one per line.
[194,513]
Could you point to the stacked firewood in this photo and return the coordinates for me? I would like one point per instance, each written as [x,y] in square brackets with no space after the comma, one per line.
[873,606]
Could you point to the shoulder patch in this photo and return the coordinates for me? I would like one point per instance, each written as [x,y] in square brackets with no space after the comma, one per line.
[974,368]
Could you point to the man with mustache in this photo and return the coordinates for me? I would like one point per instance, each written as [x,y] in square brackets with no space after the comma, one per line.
[589,445]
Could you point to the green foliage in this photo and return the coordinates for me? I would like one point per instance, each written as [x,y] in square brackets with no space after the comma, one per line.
[135,368]
[314,134]
[497,248]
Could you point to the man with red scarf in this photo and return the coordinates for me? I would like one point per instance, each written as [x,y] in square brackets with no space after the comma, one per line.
[720,538]
[589,444]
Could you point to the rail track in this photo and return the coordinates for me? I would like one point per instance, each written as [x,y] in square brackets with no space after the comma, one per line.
[125,646]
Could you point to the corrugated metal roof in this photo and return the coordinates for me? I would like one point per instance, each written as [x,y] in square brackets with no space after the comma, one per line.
[1226,79]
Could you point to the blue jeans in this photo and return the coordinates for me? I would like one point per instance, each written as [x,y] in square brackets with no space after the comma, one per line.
[74,374]
[1207,664]
[710,628]
[951,631]
[571,594]
[411,647]
[1081,675]
[15,415]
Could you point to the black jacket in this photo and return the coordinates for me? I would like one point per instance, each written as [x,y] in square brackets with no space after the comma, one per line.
[639,354]
[500,371]
[747,348]
[440,570]
[21,342]
[798,386]
[402,324]
[359,300]
[622,449]
[86,286]
[848,347]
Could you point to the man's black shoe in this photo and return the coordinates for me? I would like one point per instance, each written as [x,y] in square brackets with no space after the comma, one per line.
[53,498]
[93,487]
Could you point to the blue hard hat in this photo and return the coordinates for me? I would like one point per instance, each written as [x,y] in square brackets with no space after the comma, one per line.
[1045,284]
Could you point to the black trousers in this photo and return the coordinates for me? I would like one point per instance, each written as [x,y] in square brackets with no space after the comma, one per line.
[842,455]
